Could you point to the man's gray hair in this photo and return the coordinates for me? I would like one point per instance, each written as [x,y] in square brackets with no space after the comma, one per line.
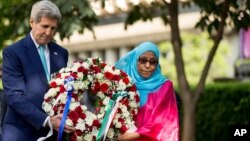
[45,8]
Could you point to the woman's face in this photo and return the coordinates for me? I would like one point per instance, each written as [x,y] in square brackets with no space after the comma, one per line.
[146,64]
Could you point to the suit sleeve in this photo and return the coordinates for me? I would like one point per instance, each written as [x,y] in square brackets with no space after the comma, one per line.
[15,90]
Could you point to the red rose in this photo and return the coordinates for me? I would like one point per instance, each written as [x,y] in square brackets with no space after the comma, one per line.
[119,110]
[133,88]
[102,65]
[58,75]
[123,74]
[116,77]
[124,102]
[73,115]
[83,70]
[82,116]
[137,98]
[94,61]
[104,87]
[75,96]
[96,123]
[62,89]
[55,108]
[73,137]
[123,129]
[48,99]
[125,80]
[53,84]
[121,120]
[74,75]
[108,75]
[95,87]
[96,69]
[78,132]
[78,109]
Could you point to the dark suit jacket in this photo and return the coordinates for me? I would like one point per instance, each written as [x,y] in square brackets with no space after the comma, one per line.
[25,83]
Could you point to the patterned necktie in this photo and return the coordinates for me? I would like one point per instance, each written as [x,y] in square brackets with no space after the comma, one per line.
[43,59]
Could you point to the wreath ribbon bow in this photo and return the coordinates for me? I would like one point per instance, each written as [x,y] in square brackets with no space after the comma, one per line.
[110,113]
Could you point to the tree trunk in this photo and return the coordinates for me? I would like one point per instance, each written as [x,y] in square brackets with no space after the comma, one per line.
[188,127]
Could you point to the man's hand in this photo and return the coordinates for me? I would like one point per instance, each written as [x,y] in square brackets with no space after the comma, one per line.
[56,121]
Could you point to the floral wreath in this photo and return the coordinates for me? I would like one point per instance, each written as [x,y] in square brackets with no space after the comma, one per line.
[101,81]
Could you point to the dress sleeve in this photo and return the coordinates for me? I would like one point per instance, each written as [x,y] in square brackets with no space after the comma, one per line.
[158,119]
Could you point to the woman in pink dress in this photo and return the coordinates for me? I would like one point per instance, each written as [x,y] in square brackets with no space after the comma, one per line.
[157,119]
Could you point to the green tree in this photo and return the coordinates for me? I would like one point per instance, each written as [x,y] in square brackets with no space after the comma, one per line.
[216,15]
[77,15]
[195,49]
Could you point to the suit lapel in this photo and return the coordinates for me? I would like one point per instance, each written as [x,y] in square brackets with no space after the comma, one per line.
[53,56]
[34,57]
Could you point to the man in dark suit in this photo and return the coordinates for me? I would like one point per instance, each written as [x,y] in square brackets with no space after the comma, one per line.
[27,65]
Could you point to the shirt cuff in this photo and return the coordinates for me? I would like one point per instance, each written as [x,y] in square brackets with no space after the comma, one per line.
[46,120]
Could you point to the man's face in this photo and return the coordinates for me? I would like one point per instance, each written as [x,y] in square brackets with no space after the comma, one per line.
[44,30]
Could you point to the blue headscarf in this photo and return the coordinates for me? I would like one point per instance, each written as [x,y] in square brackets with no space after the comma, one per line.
[128,64]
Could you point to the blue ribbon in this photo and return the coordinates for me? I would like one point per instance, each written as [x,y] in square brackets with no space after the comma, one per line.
[69,89]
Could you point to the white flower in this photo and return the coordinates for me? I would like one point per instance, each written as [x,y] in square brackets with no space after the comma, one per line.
[99,76]
[63,98]
[76,86]
[123,108]
[61,70]
[102,110]
[126,114]
[117,72]
[85,65]
[107,69]
[121,86]
[101,115]
[64,75]
[133,104]
[90,117]
[80,75]
[75,67]
[88,137]
[90,60]
[69,122]
[73,105]
[101,95]
[85,84]
[118,124]
[59,81]
[51,113]
[47,107]
[79,138]
[110,133]
[131,94]
[90,78]
[117,116]
[80,124]
[84,108]
[106,101]
[51,93]
[67,69]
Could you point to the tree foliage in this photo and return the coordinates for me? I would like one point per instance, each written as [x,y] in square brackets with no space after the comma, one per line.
[215,17]
[195,47]
[77,15]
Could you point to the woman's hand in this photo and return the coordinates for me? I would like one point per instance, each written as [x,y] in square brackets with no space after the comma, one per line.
[129,136]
